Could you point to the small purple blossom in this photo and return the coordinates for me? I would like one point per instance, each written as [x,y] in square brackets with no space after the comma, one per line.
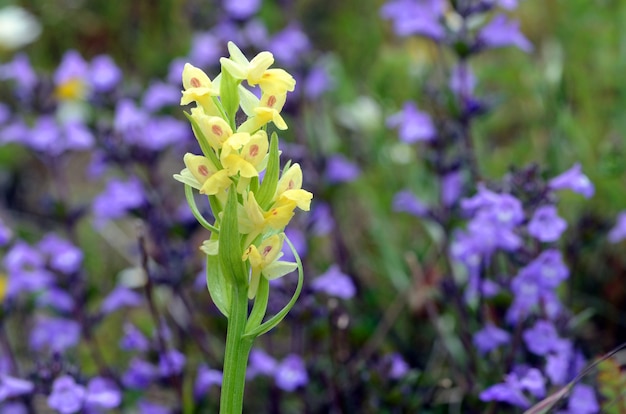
[322,221]
[25,268]
[541,338]
[20,71]
[260,364]
[241,9]
[120,297]
[490,337]
[462,81]
[289,45]
[405,201]
[548,269]
[399,367]
[558,362]
[117,198]
[410,17]
[618,232]
[133,339]
[501,32]
[56,298]
[583,400]
[509,391]
[13,387]
[317,82]
[546,225]
[5,234]
[206,379]
[335,283]
[147,407]
[159,95]
[105,74]
[298,239]
[504,208]
[139,374]
[64,256]
[291,373]
[451,187]
[171,363]
[573,179]
[67,397]
[72,68]
[56,334]
[102,393]
[341,170]
[413,125]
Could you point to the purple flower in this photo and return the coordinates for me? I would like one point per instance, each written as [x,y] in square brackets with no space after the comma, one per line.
[317,82]
[298,239]
[558,362]
[541,338]
[399,367]
[160,94]
[171,363]
[573,179]
[67,397]
[206,49]
[583,400]
[534,382]
[20,71]
[102,393]
[415,17]
[504,209]
[260,364]
[546,225]
[175,71]
[105,74]
[413,125]
[130,121]
[5,234]
[255,33]
[14,407]
[334,283]
[117,198]
[140,374]
[462,81]
[25,267]
[120,297]
[205,380]
[163,131]
[340,170]
[451,187]
[57,299]
[241,9]
[291,373]
[501,32]
[548,269]
[322,221]
[490,337]
[509,391]
[289,45]
[77,137]
[56,334]
[72,67]
[13,387]
[133,339]
[64,256]
[405,201]
[5,113]
[147,407]
[618,232]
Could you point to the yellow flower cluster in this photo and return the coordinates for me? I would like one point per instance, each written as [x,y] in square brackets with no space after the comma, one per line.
[234,156]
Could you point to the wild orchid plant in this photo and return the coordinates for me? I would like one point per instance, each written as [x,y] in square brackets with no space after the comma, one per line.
[249,213]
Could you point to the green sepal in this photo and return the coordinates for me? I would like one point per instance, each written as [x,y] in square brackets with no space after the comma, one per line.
[230,251]
[219,287]
[270,181]
[204,143]
[229,96]
[260,305]
[196,213]
[276,319]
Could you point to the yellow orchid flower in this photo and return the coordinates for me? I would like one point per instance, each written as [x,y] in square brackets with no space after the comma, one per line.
[268,110]
[198,88]
[277,81]
[240,68]
[215,129]
[250,216]
[264,261]
[211,181]
[290,187]
[244,154]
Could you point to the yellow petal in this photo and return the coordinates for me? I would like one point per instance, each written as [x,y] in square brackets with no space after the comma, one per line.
[277,81]
[216,183]
[199,166]
[302,198]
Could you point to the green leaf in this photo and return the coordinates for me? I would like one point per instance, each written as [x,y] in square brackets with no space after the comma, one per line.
[230,251]
[196,213]
[229,96]
[276,319]
[260,305]
[270,181]
[204,143]
[219,287]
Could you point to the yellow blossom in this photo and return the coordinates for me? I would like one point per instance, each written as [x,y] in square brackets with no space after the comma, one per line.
[214,128]
[72,89]
[210,180]
[264,261]
[277,81]
[244,154]
[268,110]
[240,68]
[198,88]
[290,187]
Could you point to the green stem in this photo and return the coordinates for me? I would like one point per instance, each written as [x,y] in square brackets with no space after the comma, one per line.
[237,351]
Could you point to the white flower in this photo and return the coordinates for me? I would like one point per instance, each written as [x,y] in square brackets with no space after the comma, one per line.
[17,28]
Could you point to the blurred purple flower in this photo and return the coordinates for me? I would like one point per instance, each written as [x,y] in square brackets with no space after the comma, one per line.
[413,125]
[16,131]
[558,362]
[120,297]
[227,30]
[317,82]
[289,45]
[171,363]
[130,121]
[64,256]
[139,374]
[541,338]
[14,407]
[56,298]
[20,71]
[5,113]
[241,9]
[160,94]
[206,49]
[291,373]
[67,397]
[334,283]
[25,268]
[546,225]
[117,199]
[255,33]
[298,239]
[260,364]
[573,179]
[14,387]
[76,137]
[206,379]
[534,382]
[340,170]
[618,232]
[462,81]
[147,407]
[501,32]
[102,393]
[163,131]
[548,269]
[510,391]
[583,400]
[175,71]
[415,17]
[105,74]
[322,221]
[503,209]
[451,187]
[56,334]
[399,367]
[133,339]
[407,202]
[72,67]
[5,234]
[490,337]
